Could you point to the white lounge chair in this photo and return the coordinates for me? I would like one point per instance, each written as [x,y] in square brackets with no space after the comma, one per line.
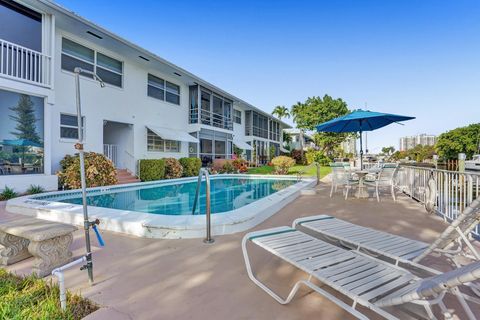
[341,177]
[399,249]
[365,280]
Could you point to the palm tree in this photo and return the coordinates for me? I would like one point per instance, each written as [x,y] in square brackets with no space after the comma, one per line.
[281,112]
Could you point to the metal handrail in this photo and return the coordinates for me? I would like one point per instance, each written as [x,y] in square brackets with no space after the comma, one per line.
[201,173]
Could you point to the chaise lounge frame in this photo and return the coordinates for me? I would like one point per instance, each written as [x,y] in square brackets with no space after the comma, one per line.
[370,282]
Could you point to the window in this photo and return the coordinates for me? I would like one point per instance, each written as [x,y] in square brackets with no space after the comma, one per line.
[21,134]
[193,97]
[75,55]
[156,143]
[237,116]
[259,125]
[163,90]
[109,69]
[156,87]
[69,126]
[20,25]
[172,94]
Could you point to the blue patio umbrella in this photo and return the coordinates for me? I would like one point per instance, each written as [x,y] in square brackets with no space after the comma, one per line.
[359,121]
[20,143]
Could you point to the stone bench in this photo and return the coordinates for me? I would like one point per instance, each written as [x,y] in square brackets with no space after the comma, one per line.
[48,242]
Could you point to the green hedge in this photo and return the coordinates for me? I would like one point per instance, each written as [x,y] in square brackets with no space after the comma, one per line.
[191,166]
[152,169]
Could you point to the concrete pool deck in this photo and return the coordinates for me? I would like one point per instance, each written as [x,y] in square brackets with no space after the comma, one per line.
[186,279]
[247,212]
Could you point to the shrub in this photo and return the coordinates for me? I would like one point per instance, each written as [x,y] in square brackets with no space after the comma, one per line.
[228,167]
[152,169]
[7,193]
[99,171]
[317,156]
[298,157]
[240,165]
[34,189]
[217,165]
[173,168]
[191,166]
[271,152]
[282,164]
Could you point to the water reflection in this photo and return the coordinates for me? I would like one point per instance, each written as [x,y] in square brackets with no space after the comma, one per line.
[177,199]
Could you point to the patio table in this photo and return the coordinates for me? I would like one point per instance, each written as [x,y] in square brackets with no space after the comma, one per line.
[362,192]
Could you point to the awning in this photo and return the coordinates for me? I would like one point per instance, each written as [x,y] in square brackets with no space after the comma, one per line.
[242,144]
[172,134]
[284,150]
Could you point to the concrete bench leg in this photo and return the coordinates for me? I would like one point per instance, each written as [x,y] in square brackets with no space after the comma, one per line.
[12,249]
[50,254]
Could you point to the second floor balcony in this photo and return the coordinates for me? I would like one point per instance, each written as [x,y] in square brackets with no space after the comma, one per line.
[25,44]
[24,64]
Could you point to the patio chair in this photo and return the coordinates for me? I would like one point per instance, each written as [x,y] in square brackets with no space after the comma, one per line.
[341,177]
[384,179]
[363,279]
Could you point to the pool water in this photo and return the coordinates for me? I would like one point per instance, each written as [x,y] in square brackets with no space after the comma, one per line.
[227,194]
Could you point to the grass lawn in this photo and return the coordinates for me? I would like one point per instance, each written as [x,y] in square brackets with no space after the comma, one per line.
[311,171]
[33,298]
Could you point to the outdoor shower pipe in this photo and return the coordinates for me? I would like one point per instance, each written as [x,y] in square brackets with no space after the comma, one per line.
[79,146]
[58,272]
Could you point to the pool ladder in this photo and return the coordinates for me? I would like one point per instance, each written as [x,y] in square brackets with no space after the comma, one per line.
[201,173]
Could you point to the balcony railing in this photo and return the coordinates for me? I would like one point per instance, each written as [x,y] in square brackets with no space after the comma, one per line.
[216,120]
[27,65]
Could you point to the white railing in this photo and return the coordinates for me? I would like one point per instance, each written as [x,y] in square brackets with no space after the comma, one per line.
[24,64]
[455,190]
[110,151]
[216,120]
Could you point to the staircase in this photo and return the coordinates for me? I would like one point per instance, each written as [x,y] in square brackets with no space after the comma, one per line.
[123,177]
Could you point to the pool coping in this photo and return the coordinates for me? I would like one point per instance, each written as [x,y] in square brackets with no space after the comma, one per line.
[162,226]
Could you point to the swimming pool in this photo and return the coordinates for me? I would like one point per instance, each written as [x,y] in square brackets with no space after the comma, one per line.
[227,194]
[163,209]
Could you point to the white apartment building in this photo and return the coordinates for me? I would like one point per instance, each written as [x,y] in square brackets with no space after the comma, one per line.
[149,108]
[299,139]
[407,143]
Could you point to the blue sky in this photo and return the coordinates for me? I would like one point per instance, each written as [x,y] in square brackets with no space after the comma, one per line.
[418,58]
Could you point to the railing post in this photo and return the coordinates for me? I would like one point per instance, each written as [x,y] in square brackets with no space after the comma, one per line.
[461,162]
[208,212]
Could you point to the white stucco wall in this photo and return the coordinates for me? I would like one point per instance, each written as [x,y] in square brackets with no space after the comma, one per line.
[129,105]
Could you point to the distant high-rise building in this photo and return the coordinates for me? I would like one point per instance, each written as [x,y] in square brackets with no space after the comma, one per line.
[423,139]
[349,146]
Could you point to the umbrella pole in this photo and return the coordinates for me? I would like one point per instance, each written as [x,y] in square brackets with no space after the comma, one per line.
[361,152]
[79,147]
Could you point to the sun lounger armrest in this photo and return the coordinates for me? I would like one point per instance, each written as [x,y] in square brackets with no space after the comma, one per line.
[432,287]
[299,221]
[267,232]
